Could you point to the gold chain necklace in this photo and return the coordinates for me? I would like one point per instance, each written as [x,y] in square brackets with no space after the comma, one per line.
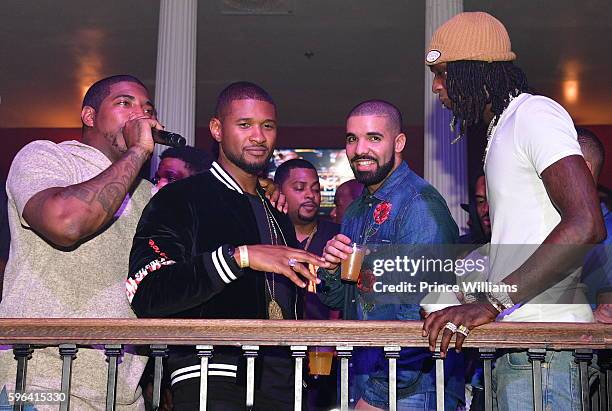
[310,237]
[312,287]
[274,310]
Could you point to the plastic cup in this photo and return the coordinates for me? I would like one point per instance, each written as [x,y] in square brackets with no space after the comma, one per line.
[352,265]
[320,360]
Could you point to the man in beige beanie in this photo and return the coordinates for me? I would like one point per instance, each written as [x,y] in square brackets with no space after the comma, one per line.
[540,193]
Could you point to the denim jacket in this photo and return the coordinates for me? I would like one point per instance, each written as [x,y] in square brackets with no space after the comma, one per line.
[418,215]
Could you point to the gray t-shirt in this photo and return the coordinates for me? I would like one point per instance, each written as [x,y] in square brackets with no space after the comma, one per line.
[87,282]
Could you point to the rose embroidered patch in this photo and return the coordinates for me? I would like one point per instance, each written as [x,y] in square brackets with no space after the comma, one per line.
[381,212]
[366,281]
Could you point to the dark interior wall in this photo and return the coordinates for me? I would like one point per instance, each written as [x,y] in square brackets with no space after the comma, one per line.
[13,139]
[295,137]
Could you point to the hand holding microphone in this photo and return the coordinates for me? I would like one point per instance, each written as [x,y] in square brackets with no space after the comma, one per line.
[136,134]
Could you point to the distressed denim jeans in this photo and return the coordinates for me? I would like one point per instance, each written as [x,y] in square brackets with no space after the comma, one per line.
[512,382]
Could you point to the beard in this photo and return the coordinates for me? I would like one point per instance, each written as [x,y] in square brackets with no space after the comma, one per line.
[369,178]
[251,168]
[307,218]
[116,140]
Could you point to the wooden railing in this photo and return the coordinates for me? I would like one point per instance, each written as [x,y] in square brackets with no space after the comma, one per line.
[68,334]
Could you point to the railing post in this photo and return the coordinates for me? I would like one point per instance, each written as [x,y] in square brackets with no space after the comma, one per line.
[68,353]
[299,353]
[204,352]
[487,355]
[392,354]
[537,356]
[22,354]
[159,352]
[250,352]
[604,359]
[113,352]
[583,357]
[439,380]
[344,352]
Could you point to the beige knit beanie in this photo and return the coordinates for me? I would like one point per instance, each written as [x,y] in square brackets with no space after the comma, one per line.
[470,36]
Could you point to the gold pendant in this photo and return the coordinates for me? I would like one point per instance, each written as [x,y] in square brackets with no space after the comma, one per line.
[274,311]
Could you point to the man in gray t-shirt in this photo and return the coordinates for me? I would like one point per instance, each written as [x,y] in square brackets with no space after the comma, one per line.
[73,209]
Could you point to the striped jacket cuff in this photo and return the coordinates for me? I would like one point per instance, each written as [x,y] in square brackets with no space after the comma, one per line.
[219,262]
[214,370]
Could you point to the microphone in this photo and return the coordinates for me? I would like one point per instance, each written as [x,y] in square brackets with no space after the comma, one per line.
[167,138]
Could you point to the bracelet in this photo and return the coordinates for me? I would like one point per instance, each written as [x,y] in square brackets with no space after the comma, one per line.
[244,256]
[495,303]
[501,297]
[500,300]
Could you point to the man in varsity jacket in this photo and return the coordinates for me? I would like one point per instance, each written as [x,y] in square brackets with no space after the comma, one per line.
[212,246]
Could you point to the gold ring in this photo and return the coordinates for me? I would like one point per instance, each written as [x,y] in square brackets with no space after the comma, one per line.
[462,329]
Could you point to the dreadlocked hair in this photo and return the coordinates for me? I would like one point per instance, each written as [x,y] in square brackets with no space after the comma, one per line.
[471,85]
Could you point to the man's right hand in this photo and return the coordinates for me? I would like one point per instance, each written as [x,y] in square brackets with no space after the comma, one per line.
[137,132]
[275,259]
[336,250]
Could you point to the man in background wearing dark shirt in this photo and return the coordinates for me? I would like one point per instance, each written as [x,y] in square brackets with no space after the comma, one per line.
[299,182]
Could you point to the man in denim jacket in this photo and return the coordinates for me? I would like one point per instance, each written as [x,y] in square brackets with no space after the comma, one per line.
[397,207]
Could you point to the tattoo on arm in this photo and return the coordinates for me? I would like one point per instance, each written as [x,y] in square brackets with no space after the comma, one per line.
[111,186]
[121,176]
[79,192]
[109,195]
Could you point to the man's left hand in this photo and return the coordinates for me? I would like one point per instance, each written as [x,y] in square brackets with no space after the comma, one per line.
[274,195]
[468,315]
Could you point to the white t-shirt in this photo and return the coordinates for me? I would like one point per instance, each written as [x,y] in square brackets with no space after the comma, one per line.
[533,133]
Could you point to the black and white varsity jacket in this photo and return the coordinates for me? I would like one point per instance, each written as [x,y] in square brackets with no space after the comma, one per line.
[180,265]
